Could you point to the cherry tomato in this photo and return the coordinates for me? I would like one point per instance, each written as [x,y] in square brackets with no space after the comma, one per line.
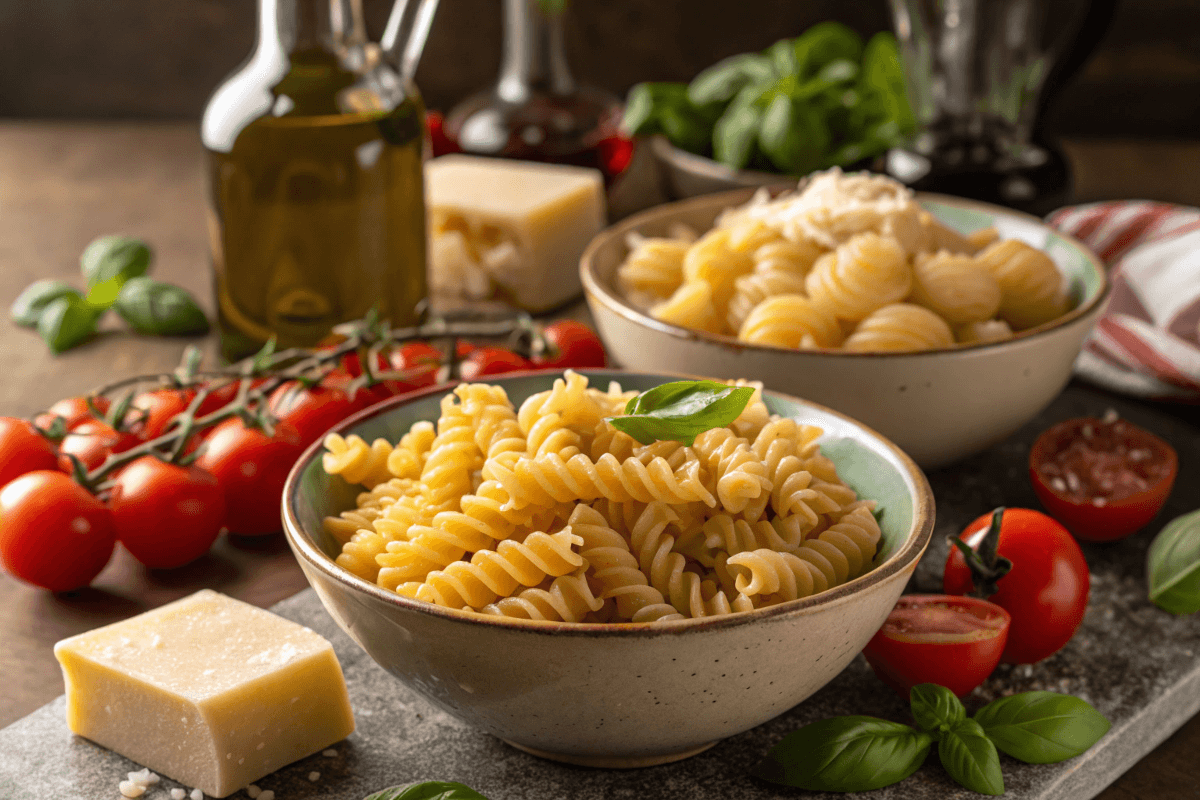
[166,515]
[219,395]
[415,354]
[23,449]
[571,344]
[312,411]
[152,412]
[937,638]
[73,410]
[1046,592]
[492,361]
[1102,479]
[91,441]
[251,468]
[53,533]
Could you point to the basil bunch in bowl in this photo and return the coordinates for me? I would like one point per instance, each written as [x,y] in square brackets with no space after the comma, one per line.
[821,100]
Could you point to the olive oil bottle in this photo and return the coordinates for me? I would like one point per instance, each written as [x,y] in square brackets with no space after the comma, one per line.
[315,193]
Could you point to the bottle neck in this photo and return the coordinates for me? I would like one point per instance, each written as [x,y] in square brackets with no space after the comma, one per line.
[534,53]
[288,26]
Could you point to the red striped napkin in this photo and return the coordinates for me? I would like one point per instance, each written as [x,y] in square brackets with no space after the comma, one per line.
[1147,343]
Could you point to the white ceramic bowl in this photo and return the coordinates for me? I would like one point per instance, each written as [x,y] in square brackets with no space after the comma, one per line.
[938,405]
[617,695]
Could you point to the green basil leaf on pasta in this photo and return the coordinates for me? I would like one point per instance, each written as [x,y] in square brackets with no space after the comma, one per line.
[120,257]
[845,754]
[428,790]
[681,410]
[1173,565]
[28,306]
[935,708]
[150,306]
[1042,727]
[66,322]
[970,758]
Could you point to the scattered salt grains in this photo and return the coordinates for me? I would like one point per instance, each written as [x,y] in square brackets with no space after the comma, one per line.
[199,795]
[253,791]
[267,795]
[131,789]
[314,776]
[330,753]
[178,794]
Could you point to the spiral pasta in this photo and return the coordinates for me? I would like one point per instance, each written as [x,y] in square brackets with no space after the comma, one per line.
[501,522]
[847,245]
[900,326]
[357,461]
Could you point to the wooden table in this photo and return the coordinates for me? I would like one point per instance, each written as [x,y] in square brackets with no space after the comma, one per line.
[61,184]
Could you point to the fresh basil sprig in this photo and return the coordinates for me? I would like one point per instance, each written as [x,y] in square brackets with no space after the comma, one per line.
[151,306]
[681,410]
[1173,565]
[428,790]
[1042,727]
[854,754]
[108,257]
[66,322]
[28,307]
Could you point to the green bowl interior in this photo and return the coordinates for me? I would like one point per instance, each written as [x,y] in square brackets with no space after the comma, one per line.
[868,465]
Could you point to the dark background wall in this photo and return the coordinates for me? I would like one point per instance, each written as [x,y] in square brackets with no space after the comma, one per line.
[160,58]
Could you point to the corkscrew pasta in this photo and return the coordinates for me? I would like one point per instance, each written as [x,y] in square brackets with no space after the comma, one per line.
[546,512]
[848,246]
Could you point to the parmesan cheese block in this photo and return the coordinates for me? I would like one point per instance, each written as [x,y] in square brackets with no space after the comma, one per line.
[209,691]
[510,229]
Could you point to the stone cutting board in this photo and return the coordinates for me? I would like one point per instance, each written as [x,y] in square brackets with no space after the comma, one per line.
[1138,665]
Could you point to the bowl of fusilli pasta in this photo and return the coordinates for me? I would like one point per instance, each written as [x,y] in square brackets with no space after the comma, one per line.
[943,323]
[506,552]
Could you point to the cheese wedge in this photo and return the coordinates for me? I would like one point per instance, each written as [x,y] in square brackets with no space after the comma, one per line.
[210,691]
[513,230]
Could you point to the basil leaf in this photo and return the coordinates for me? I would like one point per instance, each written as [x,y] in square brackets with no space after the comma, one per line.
[428,790]
[735,133]
[826,42]
[66,321]
[150,306]
[30,303]
[793,136]
[970,758]
[121,257]
[845,754]
[721,82]
[686,129]
[682,410]
[103,294]
[1042,727]
[935,708]
[1173,565]
[645,103]
[883,75]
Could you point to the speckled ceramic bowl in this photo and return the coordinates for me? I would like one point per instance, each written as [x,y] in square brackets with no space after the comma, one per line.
[617,695]
[938,405]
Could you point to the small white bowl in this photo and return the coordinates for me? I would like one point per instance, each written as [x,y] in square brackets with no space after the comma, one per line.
[616,695]
[940,406]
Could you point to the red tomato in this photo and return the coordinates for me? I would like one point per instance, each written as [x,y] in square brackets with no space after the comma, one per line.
[166,515]
[91,441]
[23,449]
[421,360]
[312,411]
[935,638]
[1046,592]
[440,144]
[53,533]
[219,396]
[251,468]
[73,410]
[571,344]
[492,361]
[1102,479]
[152,412]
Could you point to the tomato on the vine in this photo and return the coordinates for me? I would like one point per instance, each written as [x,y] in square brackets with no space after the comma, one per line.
[932,638]
[166,515]
[73,410]
[251,468]
[421,360]
[53,532]
[570,345]
[492,361]
[310,411]
[151,413]
[1046,591]
[91,441]
[23,449]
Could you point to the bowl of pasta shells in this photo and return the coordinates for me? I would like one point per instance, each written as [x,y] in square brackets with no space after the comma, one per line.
[508,553]
[945,324]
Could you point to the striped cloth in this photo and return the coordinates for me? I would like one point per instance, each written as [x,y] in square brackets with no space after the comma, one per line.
[1147,342]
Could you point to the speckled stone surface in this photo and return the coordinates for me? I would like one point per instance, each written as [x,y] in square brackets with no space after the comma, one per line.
[1140,666]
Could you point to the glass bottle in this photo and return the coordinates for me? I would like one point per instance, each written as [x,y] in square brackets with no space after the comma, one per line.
[315,195]
[536,111]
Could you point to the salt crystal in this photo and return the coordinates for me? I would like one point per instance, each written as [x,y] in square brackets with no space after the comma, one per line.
[178,794]
[267,795]
[330,753]
[314,776]
[197,794]
[253,791]
[131,789]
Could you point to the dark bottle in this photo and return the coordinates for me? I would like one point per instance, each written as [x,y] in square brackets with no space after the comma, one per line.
[315,193]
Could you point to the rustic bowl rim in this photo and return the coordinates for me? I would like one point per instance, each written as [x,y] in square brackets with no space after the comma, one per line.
[598,293]
[909,552]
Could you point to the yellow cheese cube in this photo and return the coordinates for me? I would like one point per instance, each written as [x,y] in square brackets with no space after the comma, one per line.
[208,690]
[513,229]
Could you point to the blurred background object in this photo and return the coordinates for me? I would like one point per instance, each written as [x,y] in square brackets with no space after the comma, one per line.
[148,59]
